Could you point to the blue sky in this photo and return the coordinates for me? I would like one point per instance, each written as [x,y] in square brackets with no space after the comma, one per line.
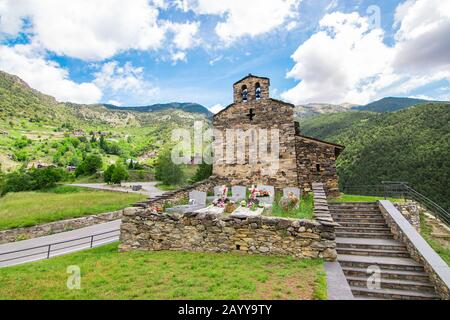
[145,52]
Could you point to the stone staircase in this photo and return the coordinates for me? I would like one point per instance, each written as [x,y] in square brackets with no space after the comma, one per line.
[363,239]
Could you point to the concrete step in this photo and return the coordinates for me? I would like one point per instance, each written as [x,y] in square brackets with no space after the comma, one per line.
[353,204]
[391,263]
[388,274]
[393,294]
[359,220]
[395,284]
[364,235]
[373,252]
[364,230]
[362,224]
[374,244]
[361,210]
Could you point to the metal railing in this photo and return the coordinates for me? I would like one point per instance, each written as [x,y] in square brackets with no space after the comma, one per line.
[56,248]
[399,190]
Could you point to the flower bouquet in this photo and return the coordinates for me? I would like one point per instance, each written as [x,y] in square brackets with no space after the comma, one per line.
[253,201]
[223,200]
[289,203]
[259,193]
[156,210]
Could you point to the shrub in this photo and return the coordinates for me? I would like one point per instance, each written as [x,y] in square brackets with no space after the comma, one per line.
[204,171]
[119,174]
[34,179]
[46,178]
[89,166]
[115,174]
[107,175]
[168,172]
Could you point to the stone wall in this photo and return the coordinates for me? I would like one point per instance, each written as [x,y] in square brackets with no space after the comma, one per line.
[418,248]
[316,162]
[411,211]
[46,229]
[144,230]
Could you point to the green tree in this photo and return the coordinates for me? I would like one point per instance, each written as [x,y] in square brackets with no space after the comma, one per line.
[46,178]
[119,174]
[107,175]
[89,166]
[168,172]
[204,171]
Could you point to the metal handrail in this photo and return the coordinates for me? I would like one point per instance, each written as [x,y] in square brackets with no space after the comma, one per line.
[49,246]
[397,189]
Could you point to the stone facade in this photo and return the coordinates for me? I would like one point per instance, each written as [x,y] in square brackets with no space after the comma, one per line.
[144,230]
[46,229]
[302,160]
[316,162]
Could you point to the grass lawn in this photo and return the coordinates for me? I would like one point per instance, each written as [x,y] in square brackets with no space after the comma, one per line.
[357,198]
[305,210]
[440,245]
[107,274]
[24,209]
[168,187]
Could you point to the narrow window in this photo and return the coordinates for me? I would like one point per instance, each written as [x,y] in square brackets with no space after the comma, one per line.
[257,91]
[318,167]
[244,93]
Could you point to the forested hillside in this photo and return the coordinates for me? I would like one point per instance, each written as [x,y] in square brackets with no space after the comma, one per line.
[391,104]
[408,145]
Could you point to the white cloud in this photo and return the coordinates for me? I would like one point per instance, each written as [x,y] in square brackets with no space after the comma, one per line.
[85,29]
[125,83]
[252,18]
[115,102]
[423,39]
[347,61]
[339,62]
[27,62]
[184,34]
[178,56]
[216,108]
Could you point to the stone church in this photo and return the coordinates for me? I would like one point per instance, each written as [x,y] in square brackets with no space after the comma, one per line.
[302,160]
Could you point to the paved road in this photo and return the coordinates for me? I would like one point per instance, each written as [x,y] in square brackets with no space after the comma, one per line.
[148,188]
[28,247]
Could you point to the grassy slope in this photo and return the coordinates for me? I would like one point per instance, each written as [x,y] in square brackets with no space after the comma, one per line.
[356,198]
[441,246]
[408,145]
[25,209]
[107,274]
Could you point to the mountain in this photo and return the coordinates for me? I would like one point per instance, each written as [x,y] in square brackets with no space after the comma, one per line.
[313,109]
[187,107]
[407,145]
[391,104]
[35,127]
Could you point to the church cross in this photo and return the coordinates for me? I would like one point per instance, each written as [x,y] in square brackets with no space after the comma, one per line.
[250,115]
